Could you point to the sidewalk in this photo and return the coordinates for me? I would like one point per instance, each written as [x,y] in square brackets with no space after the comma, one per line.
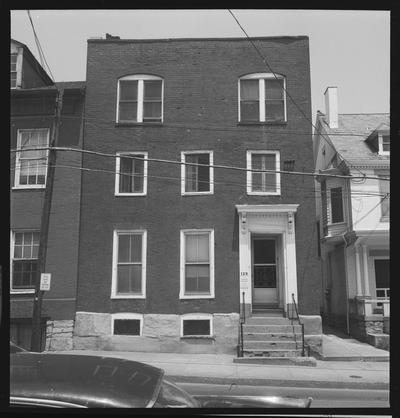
[220,369]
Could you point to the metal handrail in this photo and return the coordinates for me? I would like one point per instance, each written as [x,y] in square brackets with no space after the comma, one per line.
[242,320]
[300,323]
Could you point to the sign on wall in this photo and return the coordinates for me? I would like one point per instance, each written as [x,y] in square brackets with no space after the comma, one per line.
[45,279]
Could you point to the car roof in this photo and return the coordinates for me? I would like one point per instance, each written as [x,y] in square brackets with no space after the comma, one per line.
[92,381]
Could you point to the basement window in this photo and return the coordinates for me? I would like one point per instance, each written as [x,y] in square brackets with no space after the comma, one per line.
[127,324]
[196,325]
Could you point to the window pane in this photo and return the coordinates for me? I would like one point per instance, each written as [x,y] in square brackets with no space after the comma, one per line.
[138,170]
[382,273]
[24,274]
[197,248]
[128,111]
[337,205]
[197,279]
[274,110]
[273,89]
[249,90]
[266,181]
[129,279]
[125,177]
[249,111]
[136,248]
[131,174]
[264,251]
[197,177]
[128,90]
[152,90]
[126,327]
[124,243]
[130,248]
[152,110]
[196,327]
[386,143]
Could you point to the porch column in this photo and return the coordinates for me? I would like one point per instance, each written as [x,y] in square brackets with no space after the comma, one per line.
[366,278]
[358,271]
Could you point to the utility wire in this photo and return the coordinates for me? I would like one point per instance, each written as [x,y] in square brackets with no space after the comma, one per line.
[127,155]
[291,98]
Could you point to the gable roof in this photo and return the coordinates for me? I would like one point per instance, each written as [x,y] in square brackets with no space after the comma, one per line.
[349,144]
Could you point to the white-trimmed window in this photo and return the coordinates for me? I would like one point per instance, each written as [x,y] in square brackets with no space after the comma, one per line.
[140,99]
[24,260]
[196,325]
[384,144]
[131,174]
[262,182]
[31,165]
[197,179]
[129,265]
[336,205]
[126,323]
[197,264]
[262,98]
[13,71]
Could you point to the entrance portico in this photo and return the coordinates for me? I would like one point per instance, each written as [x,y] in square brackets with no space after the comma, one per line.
[267,255]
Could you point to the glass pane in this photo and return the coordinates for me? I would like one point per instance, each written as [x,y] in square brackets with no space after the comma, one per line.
[124,243]
[125,177]
[204,173]
[152,110]
[265,276]
[129,279]
[152,90]
[273,89]
[197,279]
[196,327]
[263,182]
[382,273]
[128,89]
[264,251]
[17,251]
[136,248]
[274,111]
[337,205]
[126,327]
[249,90]
[18,238]
[197,248]
[249,111]
[138,169]
[128,111]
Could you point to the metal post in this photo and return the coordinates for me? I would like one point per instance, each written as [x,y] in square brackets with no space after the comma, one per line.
[244,308]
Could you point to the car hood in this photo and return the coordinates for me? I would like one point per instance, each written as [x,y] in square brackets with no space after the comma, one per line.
[91,381]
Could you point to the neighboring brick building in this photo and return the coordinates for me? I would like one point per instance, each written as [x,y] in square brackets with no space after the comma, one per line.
[33,98]
[354,218]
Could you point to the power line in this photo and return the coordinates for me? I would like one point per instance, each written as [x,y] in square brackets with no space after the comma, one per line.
[284,88]
[127,155]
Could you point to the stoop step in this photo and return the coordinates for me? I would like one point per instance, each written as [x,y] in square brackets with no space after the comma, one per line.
[271,336]
[284,328]
[270,345]
[268,320]
[271,353]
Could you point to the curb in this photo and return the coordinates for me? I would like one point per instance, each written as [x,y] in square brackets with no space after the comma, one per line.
[278,382]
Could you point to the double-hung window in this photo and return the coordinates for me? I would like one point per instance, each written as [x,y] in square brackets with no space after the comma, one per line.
[129,265]
[197,173]
[24,260]
[262,98]
[131,174]
[140,99]
[197,264]
[264,178]
[31,165]
[13,71]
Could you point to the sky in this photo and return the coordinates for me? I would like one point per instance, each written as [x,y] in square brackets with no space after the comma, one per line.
[348,49]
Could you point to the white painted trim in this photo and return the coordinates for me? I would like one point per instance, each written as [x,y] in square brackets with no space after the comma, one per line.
[114,294]
[377,257]
[197,316]
[249,173]
[17,160]
[291,207]
[127,315]
[183,172]
[380,145]
[117,168]
[140,78]
[182,264]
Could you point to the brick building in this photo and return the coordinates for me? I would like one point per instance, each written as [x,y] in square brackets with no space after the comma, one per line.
[168,251]
[33,97]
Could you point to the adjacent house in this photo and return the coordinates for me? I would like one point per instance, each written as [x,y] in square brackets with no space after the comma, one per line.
[191,210]
[353,215]
[33,97]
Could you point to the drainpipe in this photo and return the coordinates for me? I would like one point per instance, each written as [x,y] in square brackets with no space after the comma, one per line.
[347,285]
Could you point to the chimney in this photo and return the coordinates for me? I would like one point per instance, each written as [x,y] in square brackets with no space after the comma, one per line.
[331,107]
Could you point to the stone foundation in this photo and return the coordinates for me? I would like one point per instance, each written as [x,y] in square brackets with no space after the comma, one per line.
[361,326]
[161,333]
[379,341]
[312,333]
[59,335]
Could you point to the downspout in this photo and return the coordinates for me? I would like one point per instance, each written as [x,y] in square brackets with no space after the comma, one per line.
[347,285]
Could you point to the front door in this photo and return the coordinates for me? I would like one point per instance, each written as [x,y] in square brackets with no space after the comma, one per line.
[264,270]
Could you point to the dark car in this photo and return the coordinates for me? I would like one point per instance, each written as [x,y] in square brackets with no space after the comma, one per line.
[83,381]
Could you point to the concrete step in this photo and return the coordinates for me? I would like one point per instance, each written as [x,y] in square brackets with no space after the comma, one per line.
[271,345]
[271,336]
[290,361]
[272,328]
[267,320]
[272,353]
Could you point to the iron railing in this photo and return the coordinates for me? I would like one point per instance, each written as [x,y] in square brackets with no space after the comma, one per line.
[242,320]
[303,352]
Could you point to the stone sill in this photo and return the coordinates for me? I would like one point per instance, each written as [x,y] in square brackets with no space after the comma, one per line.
[261,123]
[135,124]
[198,337]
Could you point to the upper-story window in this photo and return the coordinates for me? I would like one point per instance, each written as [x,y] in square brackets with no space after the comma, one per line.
[197,179]
[131,174]
[266,179]
[13,71]
[31,165]
[384,144]
[337,214]
[140,99]
[262,98]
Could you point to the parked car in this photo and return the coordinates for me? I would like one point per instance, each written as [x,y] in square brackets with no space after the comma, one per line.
[85,381]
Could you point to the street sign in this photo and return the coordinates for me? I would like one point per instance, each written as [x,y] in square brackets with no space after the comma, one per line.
[45,281]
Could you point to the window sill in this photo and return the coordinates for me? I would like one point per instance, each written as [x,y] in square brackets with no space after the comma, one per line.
[135,124]
[22,292]
[41,187]
[198,337]
[128,297]
[188,297]
[197,193]
[264,193]
[129,194]
[342,223]
[261,123]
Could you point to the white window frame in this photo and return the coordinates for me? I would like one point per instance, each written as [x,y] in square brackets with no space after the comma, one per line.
[199,316]
[182,264]
[18,164]
[183,172]
[12,242]
[16,70]
[114,276]
[249,173]
[127,315]
[140,78]
[380,144]
[261,95]
[117,169]
[378,257]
